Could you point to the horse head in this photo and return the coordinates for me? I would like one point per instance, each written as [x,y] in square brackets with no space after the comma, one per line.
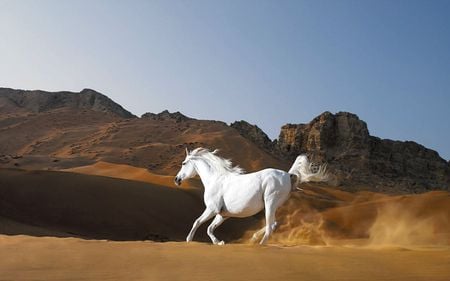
[187,169]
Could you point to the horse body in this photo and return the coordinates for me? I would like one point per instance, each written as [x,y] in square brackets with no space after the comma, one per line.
[230,193]
[246,195]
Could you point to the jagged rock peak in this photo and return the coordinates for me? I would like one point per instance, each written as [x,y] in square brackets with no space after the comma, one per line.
[254,134]
[41,101]
[166,115]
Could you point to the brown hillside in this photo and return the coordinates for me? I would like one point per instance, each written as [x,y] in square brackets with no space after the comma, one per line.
[39,134]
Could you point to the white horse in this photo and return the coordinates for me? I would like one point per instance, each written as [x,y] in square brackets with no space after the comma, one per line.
[231,193]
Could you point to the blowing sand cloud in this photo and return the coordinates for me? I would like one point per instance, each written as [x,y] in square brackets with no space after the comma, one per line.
[366,219]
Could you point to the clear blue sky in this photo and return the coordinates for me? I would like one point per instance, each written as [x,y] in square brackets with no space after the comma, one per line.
[267,62]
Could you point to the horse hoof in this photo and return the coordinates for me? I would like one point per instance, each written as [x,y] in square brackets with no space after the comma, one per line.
[221,243]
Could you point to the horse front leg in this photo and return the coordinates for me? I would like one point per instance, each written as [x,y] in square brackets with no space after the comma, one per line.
[218,220]
[206,215]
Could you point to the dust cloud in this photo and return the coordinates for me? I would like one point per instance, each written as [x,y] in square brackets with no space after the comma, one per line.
[407,223]
[324,216]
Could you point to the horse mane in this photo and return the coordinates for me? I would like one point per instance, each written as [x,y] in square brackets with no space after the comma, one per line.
[221,165]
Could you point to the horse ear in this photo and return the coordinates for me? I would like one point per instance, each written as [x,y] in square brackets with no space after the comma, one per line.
[187,152]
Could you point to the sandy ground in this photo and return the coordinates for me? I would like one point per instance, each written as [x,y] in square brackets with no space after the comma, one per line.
[324,233]
[29,258]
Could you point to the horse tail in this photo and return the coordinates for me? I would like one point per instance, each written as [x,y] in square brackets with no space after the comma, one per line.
[301,171]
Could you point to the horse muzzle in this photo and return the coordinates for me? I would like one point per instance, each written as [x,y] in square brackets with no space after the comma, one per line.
[177,181]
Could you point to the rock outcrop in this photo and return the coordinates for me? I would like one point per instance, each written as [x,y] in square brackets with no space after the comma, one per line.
[357,158]
[166,115]
[41,101]
[327,136]
[254,134]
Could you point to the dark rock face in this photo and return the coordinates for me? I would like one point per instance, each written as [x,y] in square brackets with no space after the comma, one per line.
[41,101]
[166,115]
[328,136]
[414,165]
[254,134]
[356,158]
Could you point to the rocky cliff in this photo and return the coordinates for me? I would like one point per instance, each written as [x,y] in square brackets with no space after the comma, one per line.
[12,100]
[357,158]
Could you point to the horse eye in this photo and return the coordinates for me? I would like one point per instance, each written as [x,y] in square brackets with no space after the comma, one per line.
[183,164]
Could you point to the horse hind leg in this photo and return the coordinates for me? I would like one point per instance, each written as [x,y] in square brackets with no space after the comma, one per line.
[272,200]
[270,223]
[260,232]
[218,220]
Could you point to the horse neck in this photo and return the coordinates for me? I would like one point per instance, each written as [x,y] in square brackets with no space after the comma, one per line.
[205,171]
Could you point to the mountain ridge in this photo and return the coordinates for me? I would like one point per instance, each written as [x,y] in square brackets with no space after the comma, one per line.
[41,101]
[67,125]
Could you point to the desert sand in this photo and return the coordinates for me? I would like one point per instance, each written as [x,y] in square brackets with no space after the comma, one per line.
[101,221]
[30,258]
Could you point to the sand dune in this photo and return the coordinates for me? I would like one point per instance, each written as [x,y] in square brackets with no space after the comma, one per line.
[337,235]
[93,206]
[70,204]
[122,171]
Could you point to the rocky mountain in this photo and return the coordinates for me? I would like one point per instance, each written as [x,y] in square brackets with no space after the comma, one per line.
[356,158]
[36,101]
[43,130]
